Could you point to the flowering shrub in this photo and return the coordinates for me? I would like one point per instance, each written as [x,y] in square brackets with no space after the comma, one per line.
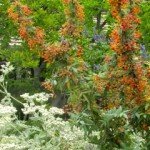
[124,41]
[126,82]
[44,129]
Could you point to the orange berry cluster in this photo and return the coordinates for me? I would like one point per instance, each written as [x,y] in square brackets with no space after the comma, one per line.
[20,14]
[74,16]
[65,73]
[124,42]
[48,86]
[79,51]
[52,51]
[34,36]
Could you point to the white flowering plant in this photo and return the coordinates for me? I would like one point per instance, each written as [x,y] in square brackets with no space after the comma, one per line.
[42,130]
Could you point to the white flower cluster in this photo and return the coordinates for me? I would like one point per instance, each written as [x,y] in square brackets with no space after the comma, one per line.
[55,110]
[38,97]
[42,131]
[7,115]
[7,68]
[7,110]
[47,133]
[11,142]
[30,107]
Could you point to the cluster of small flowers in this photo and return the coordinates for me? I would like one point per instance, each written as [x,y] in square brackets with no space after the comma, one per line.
[55,110]
[5,69]
[43,130]
[11,142]
[7,110]
[48,132]
[39,97]
[30,107]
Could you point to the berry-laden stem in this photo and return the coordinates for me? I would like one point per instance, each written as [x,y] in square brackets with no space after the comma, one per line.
[124,42]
